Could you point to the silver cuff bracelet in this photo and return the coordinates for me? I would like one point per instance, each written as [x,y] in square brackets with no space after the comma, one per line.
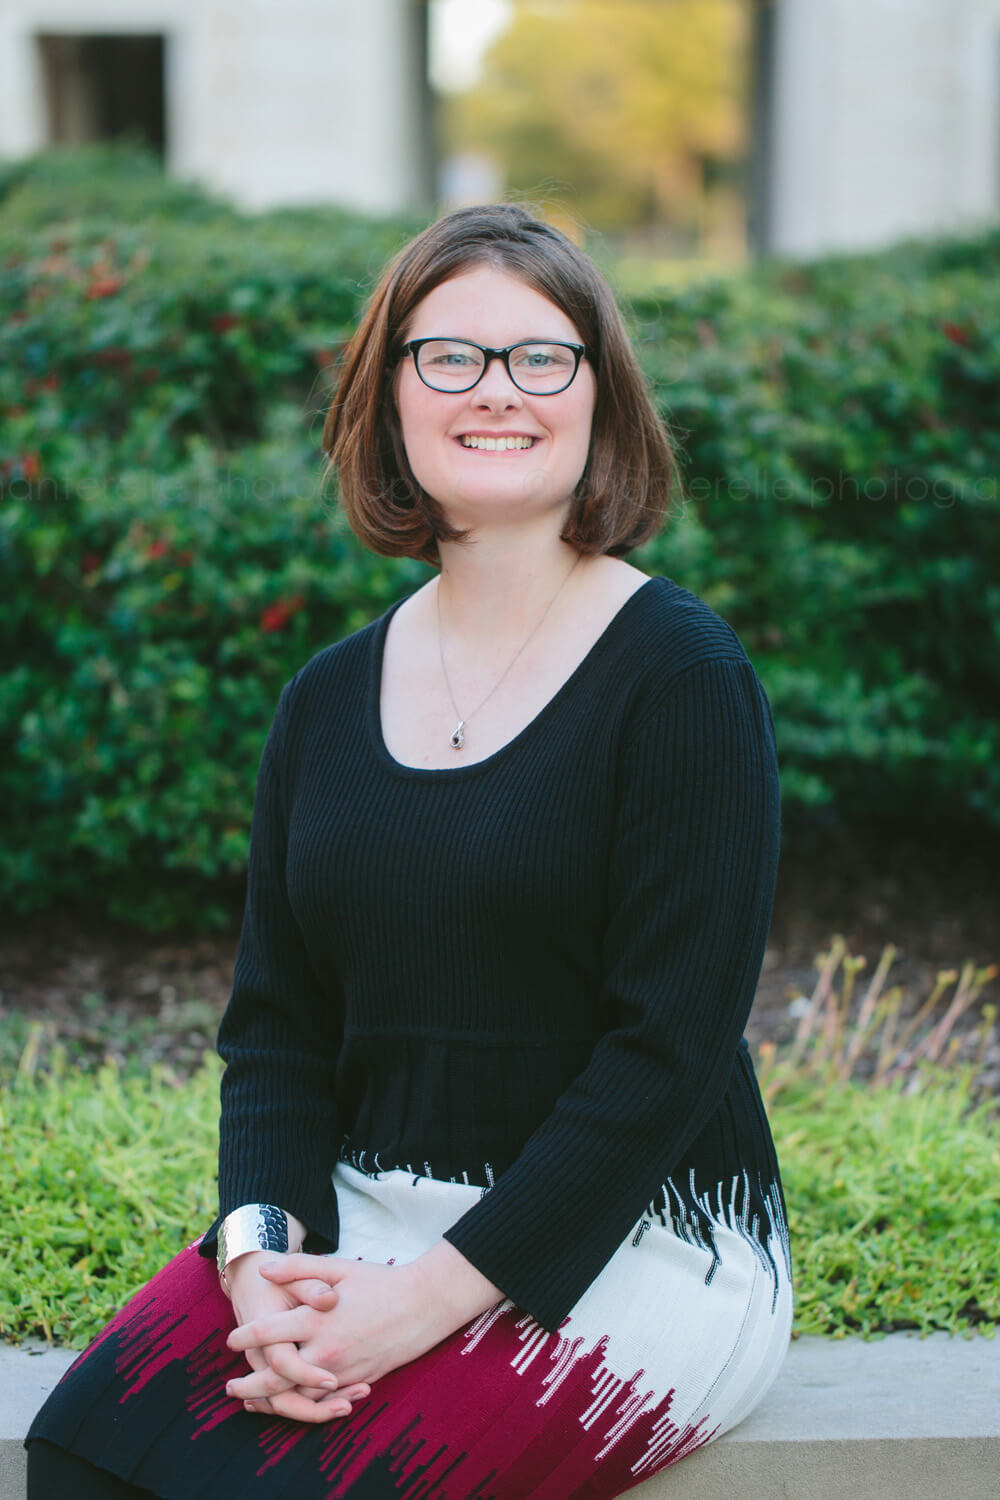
[252,1226]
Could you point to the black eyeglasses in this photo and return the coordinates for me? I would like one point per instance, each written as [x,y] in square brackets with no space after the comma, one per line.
[538,368]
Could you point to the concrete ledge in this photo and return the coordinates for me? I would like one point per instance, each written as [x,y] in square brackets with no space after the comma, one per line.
[901,1419]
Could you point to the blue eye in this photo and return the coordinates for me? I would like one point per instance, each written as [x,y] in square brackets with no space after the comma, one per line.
[541,358]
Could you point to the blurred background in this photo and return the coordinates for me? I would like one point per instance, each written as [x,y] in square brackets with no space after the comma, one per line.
[798,205]
[708,128]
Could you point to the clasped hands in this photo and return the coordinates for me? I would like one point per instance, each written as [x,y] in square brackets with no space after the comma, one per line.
[318,1329]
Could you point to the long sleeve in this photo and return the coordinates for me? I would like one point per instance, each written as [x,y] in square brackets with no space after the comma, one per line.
[690,892]
[279,1128]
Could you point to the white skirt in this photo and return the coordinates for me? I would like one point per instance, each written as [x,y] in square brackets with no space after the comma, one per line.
[676,1340]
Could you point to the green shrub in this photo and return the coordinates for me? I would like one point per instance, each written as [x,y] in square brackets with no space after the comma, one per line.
[160,352]
[894,1198]
[145,334]
[843,455]
[155,621]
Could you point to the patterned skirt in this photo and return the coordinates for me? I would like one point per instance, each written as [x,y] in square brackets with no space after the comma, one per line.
[676,1340]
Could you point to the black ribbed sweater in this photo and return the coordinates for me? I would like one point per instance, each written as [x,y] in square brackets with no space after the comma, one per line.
[530,972]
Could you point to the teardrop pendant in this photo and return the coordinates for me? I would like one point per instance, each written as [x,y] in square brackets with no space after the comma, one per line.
[457,737]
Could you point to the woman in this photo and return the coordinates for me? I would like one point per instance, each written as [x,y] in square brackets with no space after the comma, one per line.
[499,1208]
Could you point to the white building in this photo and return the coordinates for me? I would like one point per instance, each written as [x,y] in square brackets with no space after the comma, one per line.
[266,101]
[874,120]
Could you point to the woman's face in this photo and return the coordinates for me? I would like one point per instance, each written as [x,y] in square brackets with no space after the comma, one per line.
[495,309]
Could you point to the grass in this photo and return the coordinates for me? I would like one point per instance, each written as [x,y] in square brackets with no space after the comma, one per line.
[102,1179]
[890,1159]
[894,1207]
[890,1152]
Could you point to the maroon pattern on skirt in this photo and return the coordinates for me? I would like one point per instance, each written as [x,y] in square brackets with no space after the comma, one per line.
[500,1410]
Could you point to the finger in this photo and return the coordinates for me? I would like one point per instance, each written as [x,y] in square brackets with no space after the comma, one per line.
[261,1384]
[288,1362]
[260,1408]
[257,1360]
[328,1268]
[257,1387]
[293,1404]
[315,1293]
[348,1393]
[339,1405]
[277,1328]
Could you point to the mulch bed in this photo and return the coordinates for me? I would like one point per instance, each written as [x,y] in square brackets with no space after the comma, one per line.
[105,988]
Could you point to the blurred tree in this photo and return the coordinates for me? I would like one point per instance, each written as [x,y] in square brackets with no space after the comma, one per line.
[623,107]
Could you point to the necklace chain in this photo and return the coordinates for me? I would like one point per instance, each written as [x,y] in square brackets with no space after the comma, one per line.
[457,737]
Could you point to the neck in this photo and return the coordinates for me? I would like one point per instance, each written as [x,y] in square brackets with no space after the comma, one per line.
[498,593]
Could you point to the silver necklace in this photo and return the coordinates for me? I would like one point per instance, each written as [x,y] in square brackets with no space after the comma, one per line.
[457,737]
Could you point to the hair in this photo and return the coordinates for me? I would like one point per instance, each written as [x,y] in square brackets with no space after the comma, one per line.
[631,471]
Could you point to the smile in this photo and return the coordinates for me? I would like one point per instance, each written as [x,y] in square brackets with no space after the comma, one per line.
[497,444]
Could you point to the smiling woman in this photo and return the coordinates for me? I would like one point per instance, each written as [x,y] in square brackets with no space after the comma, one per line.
[499,1209]
[448,393]
[483,280]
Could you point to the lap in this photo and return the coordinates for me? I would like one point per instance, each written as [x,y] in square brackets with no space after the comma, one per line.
[654,1361]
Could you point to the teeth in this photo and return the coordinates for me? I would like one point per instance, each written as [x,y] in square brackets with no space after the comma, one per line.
[496,445]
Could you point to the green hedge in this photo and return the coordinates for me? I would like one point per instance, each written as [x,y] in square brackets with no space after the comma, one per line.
[169,554]
[155,620]
[894,1208]
[843,461]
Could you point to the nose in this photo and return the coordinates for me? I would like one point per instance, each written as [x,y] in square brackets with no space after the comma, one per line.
[495,386]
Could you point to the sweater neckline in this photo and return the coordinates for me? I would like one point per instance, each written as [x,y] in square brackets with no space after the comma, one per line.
[603,643]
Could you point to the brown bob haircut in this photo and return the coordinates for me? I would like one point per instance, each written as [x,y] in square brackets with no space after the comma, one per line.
[631,472]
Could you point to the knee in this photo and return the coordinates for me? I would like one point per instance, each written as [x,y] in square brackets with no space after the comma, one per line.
[51,1471]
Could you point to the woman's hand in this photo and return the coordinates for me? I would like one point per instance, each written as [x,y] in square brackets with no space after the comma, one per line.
[283,1383]
[382,1319]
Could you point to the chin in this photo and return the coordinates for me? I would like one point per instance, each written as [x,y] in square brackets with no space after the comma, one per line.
[535,489]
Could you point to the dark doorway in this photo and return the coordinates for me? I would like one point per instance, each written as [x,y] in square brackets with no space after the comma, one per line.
[101,87]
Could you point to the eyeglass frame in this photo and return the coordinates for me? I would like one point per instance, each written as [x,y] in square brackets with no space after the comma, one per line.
[413,346]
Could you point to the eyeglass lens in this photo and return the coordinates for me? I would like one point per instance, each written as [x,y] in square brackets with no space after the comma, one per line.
[449,365]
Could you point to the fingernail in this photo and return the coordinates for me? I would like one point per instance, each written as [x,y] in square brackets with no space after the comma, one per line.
[331,1385]
[249,1406]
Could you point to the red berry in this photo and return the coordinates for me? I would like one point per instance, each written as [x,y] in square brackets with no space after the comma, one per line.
[275,617]
[956,333]
[105,286]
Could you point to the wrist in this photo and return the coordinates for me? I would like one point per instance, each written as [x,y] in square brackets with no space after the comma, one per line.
[443,1276]
[255,1229]
[240,1269]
